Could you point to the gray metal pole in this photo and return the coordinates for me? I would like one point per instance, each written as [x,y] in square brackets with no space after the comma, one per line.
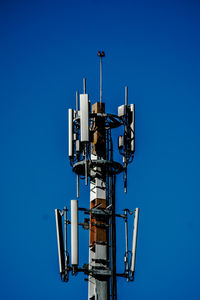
[86,166]
[126,95]
[84,85]
[65,221]
[77,176]
[126,241]
[125,162]
[77,187]
[101,80]
[66,252]
[77,106]
[113,240]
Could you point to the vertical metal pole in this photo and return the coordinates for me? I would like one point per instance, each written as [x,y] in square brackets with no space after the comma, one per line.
[125,178]
[77,176]
[66,252]
[77,186]
[113,241]
[101,54]
[101,80]
[77,96]
[65,222]
[126,95]
[86,170]
[125,162]
[108,202]
[126,242]
[115,278]
[98,287]
[84,85]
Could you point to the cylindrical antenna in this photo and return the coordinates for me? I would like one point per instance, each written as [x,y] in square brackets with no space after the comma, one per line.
[101,54]
[126,95]
[77,96]
[84,85]
[70,134]
[134,242]
[74,232]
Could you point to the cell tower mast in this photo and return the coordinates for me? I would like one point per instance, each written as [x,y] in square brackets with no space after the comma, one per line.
[91,157]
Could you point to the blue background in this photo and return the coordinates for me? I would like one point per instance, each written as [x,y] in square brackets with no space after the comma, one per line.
[46,48]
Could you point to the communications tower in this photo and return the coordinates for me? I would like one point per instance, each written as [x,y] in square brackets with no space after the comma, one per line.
[90,150]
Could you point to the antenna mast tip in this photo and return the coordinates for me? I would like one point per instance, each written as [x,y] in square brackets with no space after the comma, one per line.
[101,53]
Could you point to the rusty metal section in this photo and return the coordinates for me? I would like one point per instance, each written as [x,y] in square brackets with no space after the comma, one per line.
[98,224]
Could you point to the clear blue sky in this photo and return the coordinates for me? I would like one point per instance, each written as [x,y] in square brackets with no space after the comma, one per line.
[46,48]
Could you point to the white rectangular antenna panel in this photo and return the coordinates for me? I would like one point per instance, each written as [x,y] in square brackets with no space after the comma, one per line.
[60,240]
[70,132]
[74,232]
[121,110]
[84,117]
[135,229]
[132,108]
